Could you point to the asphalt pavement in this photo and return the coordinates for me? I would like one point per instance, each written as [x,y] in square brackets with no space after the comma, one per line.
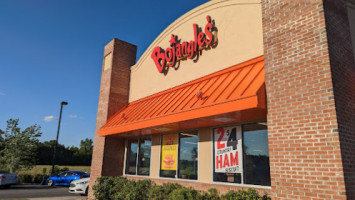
[38,192]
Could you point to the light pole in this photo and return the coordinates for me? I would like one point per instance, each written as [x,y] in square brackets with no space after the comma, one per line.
[63,103]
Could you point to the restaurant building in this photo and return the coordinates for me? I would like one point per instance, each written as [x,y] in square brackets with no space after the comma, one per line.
[236,94]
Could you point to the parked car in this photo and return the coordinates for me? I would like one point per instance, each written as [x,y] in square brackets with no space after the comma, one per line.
[7,179]
[65,178]
[80,186]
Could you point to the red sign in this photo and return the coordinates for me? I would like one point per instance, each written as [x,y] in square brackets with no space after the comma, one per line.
[185,50]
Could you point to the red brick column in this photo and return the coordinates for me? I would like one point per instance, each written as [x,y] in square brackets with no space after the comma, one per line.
[304,132]
[343,75]
[107,159]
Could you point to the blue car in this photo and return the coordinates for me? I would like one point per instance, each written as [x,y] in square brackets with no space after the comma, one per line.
[65,178]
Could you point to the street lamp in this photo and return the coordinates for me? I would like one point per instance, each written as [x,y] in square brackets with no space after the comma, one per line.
[63,103]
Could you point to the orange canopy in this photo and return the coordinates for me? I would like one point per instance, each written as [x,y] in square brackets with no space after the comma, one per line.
[235,94]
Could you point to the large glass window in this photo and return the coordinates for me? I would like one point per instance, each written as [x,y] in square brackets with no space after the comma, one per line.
[256,155]
[241,154]
[144,156]
[179,156]
[188,156]
[138,156]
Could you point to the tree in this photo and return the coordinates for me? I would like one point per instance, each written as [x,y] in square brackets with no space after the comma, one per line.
[69,155]
[18,148]
[86,147]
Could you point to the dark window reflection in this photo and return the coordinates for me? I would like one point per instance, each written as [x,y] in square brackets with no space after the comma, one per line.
[144,156]
[188,156]
[168,173]
[256,155]
[227,177]
[131,158]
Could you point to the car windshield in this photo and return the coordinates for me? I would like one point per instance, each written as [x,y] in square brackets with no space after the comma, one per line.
[3,172]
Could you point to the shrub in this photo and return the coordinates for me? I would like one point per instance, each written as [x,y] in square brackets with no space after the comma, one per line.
[134,190]
[120,188]
[212,194]
[40,178]
[250,194]
[104,187]
[185,193]
[25,178]
[158,192]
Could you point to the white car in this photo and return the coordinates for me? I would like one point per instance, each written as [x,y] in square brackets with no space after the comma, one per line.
[7,179]
[80,186]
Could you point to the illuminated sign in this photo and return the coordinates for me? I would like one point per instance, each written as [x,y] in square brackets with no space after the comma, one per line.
[177,51]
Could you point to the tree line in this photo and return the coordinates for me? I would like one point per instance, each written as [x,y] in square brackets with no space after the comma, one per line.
[21,149]
[65,155]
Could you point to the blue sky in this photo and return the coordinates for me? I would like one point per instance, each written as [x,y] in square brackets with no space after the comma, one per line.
[51,51]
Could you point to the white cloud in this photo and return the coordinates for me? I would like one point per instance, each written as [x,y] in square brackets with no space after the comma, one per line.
[50,118]
[73,116]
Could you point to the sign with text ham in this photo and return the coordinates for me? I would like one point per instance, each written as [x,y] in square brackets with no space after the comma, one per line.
[228,150]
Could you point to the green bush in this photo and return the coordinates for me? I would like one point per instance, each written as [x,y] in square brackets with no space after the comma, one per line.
[40,178]
[185,193]
[25,178]
[105,186]
[120,188]
[250,194]
[158,192]
[212,194]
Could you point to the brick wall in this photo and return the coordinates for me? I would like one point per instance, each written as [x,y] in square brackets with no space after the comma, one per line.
[304,144]
[108,153]
[343,75]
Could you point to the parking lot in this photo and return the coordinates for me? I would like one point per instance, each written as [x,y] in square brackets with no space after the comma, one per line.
[38,192]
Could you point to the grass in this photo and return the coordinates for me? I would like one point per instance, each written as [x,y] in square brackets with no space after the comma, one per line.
[38,169]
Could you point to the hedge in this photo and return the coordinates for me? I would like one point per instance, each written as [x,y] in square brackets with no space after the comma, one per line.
[117,188]
[28,178]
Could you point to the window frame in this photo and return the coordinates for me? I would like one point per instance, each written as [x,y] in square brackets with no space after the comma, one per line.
[242,184]
[178,156]
[138,152]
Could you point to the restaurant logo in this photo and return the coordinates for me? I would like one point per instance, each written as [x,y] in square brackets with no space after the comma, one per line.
[177,51]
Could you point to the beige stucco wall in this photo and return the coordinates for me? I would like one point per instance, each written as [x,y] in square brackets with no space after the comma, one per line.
[239,24]
[155,157]
[205,155]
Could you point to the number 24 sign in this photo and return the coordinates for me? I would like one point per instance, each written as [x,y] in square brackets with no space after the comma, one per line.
[228,149]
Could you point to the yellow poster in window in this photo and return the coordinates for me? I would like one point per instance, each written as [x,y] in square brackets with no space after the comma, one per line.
[169,152]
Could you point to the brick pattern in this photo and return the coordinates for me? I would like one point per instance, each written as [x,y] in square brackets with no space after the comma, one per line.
[108,153]
[304,145]
[222,188]
[343,75]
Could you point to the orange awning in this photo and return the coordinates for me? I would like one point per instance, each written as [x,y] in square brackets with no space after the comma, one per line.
[232,95]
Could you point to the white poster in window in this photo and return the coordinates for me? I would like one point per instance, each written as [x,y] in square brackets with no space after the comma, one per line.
[228,150]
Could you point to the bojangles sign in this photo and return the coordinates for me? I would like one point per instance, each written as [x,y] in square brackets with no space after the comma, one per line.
[185,50]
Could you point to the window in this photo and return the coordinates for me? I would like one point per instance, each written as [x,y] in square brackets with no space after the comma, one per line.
[179,156]
[138,156]
[241,155]
[69,174]
[256,155]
